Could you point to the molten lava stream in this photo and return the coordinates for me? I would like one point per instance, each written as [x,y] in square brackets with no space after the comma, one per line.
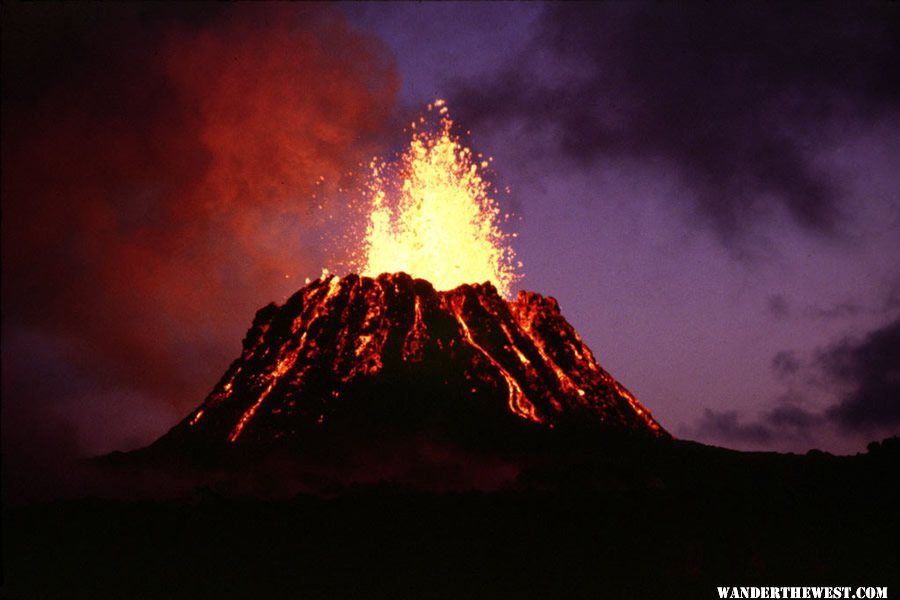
[518,401]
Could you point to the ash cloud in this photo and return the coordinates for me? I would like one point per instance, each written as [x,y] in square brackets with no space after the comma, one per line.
[734,99]
[159,163]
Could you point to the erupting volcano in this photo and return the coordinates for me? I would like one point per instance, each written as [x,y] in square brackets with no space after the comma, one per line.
[338,346]
[417,343]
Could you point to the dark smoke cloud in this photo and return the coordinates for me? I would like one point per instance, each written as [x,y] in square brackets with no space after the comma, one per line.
[866,374]
[731,98]
[791,417]
[869,371]
[158,167]
[787,421]
[883,307]
[726,427]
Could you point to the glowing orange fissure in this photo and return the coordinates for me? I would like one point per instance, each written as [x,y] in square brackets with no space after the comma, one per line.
[432,215]
[585,356]
[284,364]
[564,379]
[518,400]
[412,343]
[637,407]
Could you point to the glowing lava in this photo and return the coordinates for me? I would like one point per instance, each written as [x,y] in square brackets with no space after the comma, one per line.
[441,224]
[337,344]
[429,321]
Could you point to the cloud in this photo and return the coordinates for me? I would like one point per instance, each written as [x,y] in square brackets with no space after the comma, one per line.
[792,417]
[725,426]
[864,373]
[868,370]
[786,363]
[732,98]
[839,310]
[892,301]
[778,306]
[786,421]
[159,163]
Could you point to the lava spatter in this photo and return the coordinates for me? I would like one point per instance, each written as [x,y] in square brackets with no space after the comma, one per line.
[431,214]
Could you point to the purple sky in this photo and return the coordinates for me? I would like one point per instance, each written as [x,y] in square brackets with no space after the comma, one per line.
[711,195]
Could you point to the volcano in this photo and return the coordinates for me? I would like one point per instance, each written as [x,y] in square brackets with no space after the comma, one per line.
[383,365]
[378,438]
[366,356]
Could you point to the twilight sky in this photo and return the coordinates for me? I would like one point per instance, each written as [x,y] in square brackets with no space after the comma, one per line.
[710,191]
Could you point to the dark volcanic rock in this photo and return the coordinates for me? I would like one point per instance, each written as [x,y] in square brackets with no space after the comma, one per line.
[392,353]
[360,380]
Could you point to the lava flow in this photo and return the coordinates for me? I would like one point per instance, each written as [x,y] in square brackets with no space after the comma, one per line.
[340,345]
[416,341]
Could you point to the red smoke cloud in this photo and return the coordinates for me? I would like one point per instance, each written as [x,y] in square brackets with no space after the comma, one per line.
[158,172]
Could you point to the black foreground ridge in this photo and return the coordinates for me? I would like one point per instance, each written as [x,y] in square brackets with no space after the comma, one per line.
[391,352]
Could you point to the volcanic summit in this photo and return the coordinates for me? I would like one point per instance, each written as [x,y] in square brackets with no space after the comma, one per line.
[393,352]
[348,366]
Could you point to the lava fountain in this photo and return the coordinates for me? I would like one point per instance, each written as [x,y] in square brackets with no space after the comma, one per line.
[425,340]
[432,214]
